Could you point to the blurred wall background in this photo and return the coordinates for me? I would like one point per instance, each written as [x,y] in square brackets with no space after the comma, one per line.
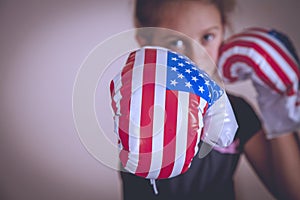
[43,44]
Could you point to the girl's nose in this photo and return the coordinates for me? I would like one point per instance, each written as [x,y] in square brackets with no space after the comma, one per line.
[199,55]
[201,58]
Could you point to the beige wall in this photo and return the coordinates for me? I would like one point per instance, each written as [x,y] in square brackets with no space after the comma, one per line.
[43,44]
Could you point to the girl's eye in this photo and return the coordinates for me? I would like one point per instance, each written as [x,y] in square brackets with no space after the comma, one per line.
[208,37]
[178,44]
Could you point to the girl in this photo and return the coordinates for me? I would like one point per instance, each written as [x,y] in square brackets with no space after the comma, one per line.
[211,177]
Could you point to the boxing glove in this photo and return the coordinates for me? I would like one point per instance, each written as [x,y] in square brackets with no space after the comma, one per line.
[269,59]
[163,106]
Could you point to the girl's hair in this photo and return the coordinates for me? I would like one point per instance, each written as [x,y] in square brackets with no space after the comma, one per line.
[148,12]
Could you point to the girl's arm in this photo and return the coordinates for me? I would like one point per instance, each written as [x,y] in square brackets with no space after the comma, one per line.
[277,163]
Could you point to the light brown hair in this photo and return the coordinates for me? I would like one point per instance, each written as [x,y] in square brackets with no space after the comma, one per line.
[148,13]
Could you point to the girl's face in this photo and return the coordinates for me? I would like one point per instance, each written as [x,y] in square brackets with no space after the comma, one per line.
[200,22]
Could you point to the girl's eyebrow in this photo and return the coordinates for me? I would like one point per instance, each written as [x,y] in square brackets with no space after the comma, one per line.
[211,28]
[174,36]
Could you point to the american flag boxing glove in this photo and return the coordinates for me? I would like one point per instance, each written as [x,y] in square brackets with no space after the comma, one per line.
[163,106]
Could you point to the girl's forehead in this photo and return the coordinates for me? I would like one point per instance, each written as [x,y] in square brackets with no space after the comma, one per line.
[189,16]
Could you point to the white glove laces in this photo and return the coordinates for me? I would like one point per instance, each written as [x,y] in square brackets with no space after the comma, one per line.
[153,183]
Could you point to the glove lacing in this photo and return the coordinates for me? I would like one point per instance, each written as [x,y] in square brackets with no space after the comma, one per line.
[153,183]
